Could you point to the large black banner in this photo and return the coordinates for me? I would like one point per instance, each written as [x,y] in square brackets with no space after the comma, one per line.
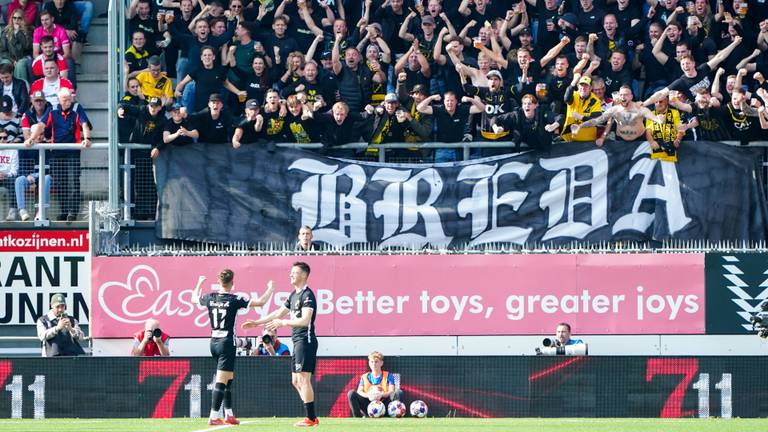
[575,192]
[463,386]
[736,284]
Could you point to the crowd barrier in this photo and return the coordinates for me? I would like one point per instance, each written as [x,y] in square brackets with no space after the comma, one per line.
[504,386]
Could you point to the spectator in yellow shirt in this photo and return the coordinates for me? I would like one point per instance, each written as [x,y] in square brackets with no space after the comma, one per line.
[664,137]
[154,82]
[581,105]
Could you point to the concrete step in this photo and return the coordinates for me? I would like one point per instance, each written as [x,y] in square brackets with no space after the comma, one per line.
[99,117]
[98,34]
[99,7]
[94,60]
[91,88]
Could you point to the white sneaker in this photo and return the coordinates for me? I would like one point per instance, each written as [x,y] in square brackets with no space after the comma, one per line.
[24,215]
[12,214]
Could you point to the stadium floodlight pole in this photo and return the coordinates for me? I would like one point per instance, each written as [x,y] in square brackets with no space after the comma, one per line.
[116,45]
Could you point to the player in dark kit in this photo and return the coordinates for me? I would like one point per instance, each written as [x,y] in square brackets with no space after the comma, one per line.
[222,311]
[302,306]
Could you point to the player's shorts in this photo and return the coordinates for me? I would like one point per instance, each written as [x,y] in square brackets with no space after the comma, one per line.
[223,350]
[304,356]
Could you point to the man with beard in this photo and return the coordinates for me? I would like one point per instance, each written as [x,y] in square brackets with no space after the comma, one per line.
[581,105]
[616,72]
[664,136]
[629,117]
[389,125]
[710,121]
[354,81]
[497,101]
[529,124]
[419,125]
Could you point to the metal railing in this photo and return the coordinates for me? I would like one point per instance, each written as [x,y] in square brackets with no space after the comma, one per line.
[57,169]
[130,169]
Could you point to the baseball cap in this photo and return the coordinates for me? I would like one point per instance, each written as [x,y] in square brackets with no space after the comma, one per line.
[570,18]
[525,31]
[325,55]
[6,105]
[214,97]
[427,19]
[585,80]
[420,88]
[38,95]
[390,97]
[155,101]
[58,299]
[177,106]
[252,104]
[495,73]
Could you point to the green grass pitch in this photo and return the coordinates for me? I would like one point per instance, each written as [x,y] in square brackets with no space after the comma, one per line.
[393,425]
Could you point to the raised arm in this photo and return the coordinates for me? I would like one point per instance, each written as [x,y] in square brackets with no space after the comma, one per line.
[448,24]
[313,48]
[403,33]
[715,91]
[203,13]
[724,53]
[437,53]
[280,10]
[261,301]
[477,105]
[131,11]
[403,60]
[310,22]
[554,51]
[746,64]
[198,289]
[424,106]
[335,56]
[658,49]
[464,8]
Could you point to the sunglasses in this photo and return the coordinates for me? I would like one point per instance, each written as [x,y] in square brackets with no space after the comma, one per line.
[16,17]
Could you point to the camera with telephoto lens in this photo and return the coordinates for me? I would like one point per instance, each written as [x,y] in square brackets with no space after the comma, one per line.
[554,347]
[157,333]
[759,320]
[266,339]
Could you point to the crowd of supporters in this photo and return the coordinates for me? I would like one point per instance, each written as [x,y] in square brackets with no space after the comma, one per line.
[331,71]
[40,49]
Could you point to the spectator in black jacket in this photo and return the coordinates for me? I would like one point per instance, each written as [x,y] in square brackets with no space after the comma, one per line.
[529,124]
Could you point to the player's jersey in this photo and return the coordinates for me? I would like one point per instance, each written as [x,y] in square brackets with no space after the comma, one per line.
[297,301]
[222,311]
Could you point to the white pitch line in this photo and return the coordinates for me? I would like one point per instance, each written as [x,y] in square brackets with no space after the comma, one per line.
[223,426]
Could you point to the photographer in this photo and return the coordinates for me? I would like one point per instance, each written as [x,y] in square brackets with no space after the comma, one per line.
[59,333]
[269,345]
[562,344]
[151,341]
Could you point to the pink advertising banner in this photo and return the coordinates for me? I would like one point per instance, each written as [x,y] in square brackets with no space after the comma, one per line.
[418,295]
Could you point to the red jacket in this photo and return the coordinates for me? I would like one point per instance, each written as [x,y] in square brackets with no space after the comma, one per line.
[150,349]
[30,11]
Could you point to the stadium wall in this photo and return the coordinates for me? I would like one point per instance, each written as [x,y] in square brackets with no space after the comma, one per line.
[695,303]
[507,386]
